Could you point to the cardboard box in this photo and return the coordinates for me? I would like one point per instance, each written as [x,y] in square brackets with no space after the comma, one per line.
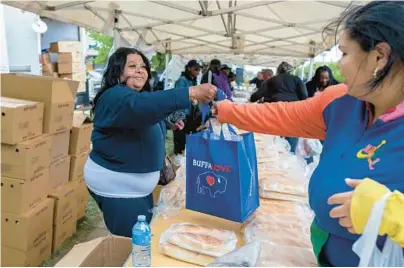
[82,198]
[65,202]
[48,58]
[59,174]
[20,120]
[82,87]
[68,57]
[26,159]
[58,96]
[69,68]
[65,46]
[25,231]
[19,196]
[77,164]
[34,257]
[156,193]
[54,75]
[63,230]
[80,134]
[109,251]
[60,145]
[81,212]
[81,77]
[50,68]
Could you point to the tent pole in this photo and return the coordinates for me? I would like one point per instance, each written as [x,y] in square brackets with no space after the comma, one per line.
[311,68]
[166,66]
[302,72]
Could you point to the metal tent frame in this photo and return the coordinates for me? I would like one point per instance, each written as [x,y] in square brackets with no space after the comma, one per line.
[248,32]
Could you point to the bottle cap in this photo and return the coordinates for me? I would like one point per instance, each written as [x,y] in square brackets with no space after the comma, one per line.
[141,218]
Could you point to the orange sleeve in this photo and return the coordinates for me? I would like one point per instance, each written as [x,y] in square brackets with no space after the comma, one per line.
[290,119]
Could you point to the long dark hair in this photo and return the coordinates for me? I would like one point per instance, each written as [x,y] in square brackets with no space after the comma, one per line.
[115,68]
[319,70]
[373,23]
[284,68]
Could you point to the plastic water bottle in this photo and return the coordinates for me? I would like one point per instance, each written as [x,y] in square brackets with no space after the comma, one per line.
[141,240]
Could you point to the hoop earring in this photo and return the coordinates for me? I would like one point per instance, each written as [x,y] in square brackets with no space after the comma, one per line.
[375,73]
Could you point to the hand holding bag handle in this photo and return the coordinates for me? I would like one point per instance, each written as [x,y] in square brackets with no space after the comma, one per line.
[365,247]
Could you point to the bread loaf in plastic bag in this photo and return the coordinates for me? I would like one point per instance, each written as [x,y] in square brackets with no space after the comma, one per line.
[199,239]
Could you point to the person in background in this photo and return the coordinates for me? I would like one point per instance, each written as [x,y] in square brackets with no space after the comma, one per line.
[232,80]
[129,138]
[188,78]
[266,75]
[214,69]
[361,123]
[257,80]
[282,87]
[322,79]
[222,81]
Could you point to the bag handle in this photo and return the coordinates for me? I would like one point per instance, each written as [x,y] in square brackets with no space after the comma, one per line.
[205,107]
[369,237]
[233,131]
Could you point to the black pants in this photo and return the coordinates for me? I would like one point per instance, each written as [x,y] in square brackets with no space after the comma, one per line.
[179,141]
[120,214]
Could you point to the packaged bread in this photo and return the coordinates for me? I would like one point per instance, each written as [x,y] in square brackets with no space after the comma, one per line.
[282,183]
[285,256]
[283,207]
[279,230]
[201,239]
[183,254]
[283,196]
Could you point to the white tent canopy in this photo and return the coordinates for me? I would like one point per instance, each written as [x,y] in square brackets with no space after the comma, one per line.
[248,32]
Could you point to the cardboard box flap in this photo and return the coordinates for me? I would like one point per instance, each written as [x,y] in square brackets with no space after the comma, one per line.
[109,251]
[74,85]
[14,103]
[79,118]
[38,87]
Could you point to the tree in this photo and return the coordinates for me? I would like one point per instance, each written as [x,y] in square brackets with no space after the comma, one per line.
[158,61]
[104,45]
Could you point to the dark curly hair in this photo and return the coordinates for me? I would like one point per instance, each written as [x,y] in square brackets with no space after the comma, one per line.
[115,68]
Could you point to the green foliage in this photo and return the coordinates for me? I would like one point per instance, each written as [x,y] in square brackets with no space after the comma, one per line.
[104,45]
[336,71]
[158,62]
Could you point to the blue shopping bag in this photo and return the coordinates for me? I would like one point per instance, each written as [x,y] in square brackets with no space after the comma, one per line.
[221,175]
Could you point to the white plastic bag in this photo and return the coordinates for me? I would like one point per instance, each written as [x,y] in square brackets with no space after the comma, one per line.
[245,256]
[308,147]
[365,247]
[172,197]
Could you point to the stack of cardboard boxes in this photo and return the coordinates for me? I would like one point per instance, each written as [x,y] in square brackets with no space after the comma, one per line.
[39,204]
[80,145]
[64,60]
[26,212]
[69,62]
[49,65]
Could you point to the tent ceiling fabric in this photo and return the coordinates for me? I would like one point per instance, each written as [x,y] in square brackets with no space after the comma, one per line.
[248,31]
